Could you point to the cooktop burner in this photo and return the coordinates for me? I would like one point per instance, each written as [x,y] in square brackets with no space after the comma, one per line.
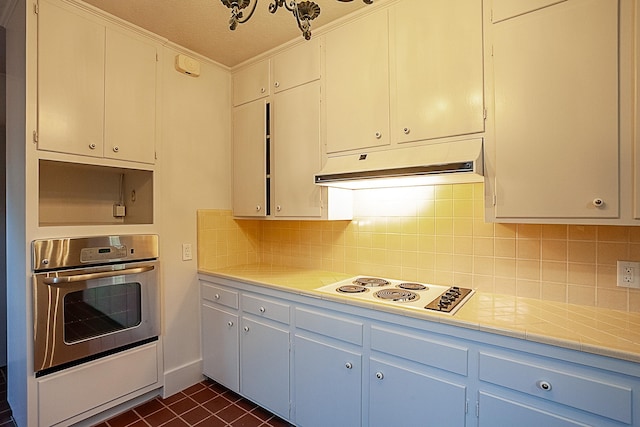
[412,286]
[397,295]
[409,295]
[370,281]
[352,289]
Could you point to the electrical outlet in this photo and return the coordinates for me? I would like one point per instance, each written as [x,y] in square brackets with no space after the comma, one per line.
[186,252]
[628,274]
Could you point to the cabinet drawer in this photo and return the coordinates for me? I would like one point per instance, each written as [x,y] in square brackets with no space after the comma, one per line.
[415,347]
[265,308]
[333,326]
[565,384]
[220,295]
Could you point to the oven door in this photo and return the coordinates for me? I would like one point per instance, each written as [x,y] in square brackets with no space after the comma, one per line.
[85,313]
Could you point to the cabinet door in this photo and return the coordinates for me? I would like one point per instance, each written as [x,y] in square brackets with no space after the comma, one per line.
[438,69]
[296,66]
[556,112]
[401,397]
[130,98]
[251,83]
[250,159]
[357,84]
[296,148]
[220,349]
[264,368]
[327,377]
[71,52]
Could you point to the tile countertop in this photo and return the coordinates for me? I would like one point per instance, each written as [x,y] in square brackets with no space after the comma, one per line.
[589,329]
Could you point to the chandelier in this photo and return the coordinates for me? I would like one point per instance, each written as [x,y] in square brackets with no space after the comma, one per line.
[304,12]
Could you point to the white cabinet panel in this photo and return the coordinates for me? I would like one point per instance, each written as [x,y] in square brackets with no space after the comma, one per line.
[71,57]
[296,66]
[556,112]
[249,159]
[220,346]
[296,148]
[251,83]
[436,57]
[357,84]
[505,9]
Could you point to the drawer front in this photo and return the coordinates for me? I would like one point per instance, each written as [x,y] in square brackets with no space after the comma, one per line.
[220,295]
[561,384]
[332,326]
[266,308]
[420,349]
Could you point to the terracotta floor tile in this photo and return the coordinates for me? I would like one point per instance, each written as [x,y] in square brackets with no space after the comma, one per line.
[204,395]
[217,404]
[139,423]
[261,413]
[183,405]
[278,422]
[123,419]
[218,388]
[212,421]
[231,413]
[247,420]
[246,404]
[193,389]
[196,415]
[149,407]
[160,417]
[173,398]
[176,422]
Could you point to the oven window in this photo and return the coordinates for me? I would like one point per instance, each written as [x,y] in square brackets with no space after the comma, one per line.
[98,311]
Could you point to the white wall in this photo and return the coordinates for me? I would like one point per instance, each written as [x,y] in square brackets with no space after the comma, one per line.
[194,163]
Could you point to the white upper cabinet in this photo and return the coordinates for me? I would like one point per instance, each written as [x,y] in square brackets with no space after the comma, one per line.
[436,69]
[356,83]
[251,83]
[297,66]
[556,112]
[96,87]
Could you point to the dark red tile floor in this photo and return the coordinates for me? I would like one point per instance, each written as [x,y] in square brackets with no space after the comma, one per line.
[6,420]
[206,404]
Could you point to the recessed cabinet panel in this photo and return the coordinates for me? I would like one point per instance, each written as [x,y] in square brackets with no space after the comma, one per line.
[130,91]
[296,66]
[249,159]
[251,83]
[556,112]
[220,346]
[505,9]
[296,148]
[71,58]
[437,70]
[357,84]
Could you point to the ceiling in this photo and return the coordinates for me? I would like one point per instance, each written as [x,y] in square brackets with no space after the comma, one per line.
[203,25]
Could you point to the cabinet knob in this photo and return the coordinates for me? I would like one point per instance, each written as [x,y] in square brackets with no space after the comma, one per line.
[262,309]
[544,385]
[262,90]
[229,323]
[598,202]
[378,135]
[258,208]
[246,329]
[379,375]
[92,146]
[116,148]
[406,131]
[217,296]
[278,208]
[348,365]
[277,84]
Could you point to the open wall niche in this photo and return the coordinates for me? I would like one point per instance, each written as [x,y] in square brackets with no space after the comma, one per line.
[79,194]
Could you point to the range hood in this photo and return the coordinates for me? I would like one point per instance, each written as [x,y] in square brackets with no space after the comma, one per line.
[451,162]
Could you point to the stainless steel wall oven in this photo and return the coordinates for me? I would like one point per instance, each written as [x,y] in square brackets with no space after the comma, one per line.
[93,297]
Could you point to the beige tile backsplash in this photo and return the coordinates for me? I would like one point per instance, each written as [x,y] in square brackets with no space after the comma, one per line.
[436,234]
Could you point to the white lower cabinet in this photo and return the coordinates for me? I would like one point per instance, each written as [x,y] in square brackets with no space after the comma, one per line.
[320,363]
[264,367]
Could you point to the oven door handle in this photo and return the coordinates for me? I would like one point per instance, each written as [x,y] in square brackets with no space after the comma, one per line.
[100,275]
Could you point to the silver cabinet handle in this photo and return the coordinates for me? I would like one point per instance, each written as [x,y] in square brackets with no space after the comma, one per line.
[217,296]
[246,329]
[544,385]
[406,131]
[99,275]
[348,365]
[262,309]
[598,202]
[229,323]
[116,149]
[379,375]
[92,146]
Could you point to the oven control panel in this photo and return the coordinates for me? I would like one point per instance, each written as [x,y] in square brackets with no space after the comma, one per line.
[107,253]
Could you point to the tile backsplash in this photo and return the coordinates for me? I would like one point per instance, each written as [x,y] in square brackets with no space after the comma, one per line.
[436,234]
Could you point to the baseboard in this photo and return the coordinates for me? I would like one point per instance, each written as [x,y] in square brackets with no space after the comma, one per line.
[182,377]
